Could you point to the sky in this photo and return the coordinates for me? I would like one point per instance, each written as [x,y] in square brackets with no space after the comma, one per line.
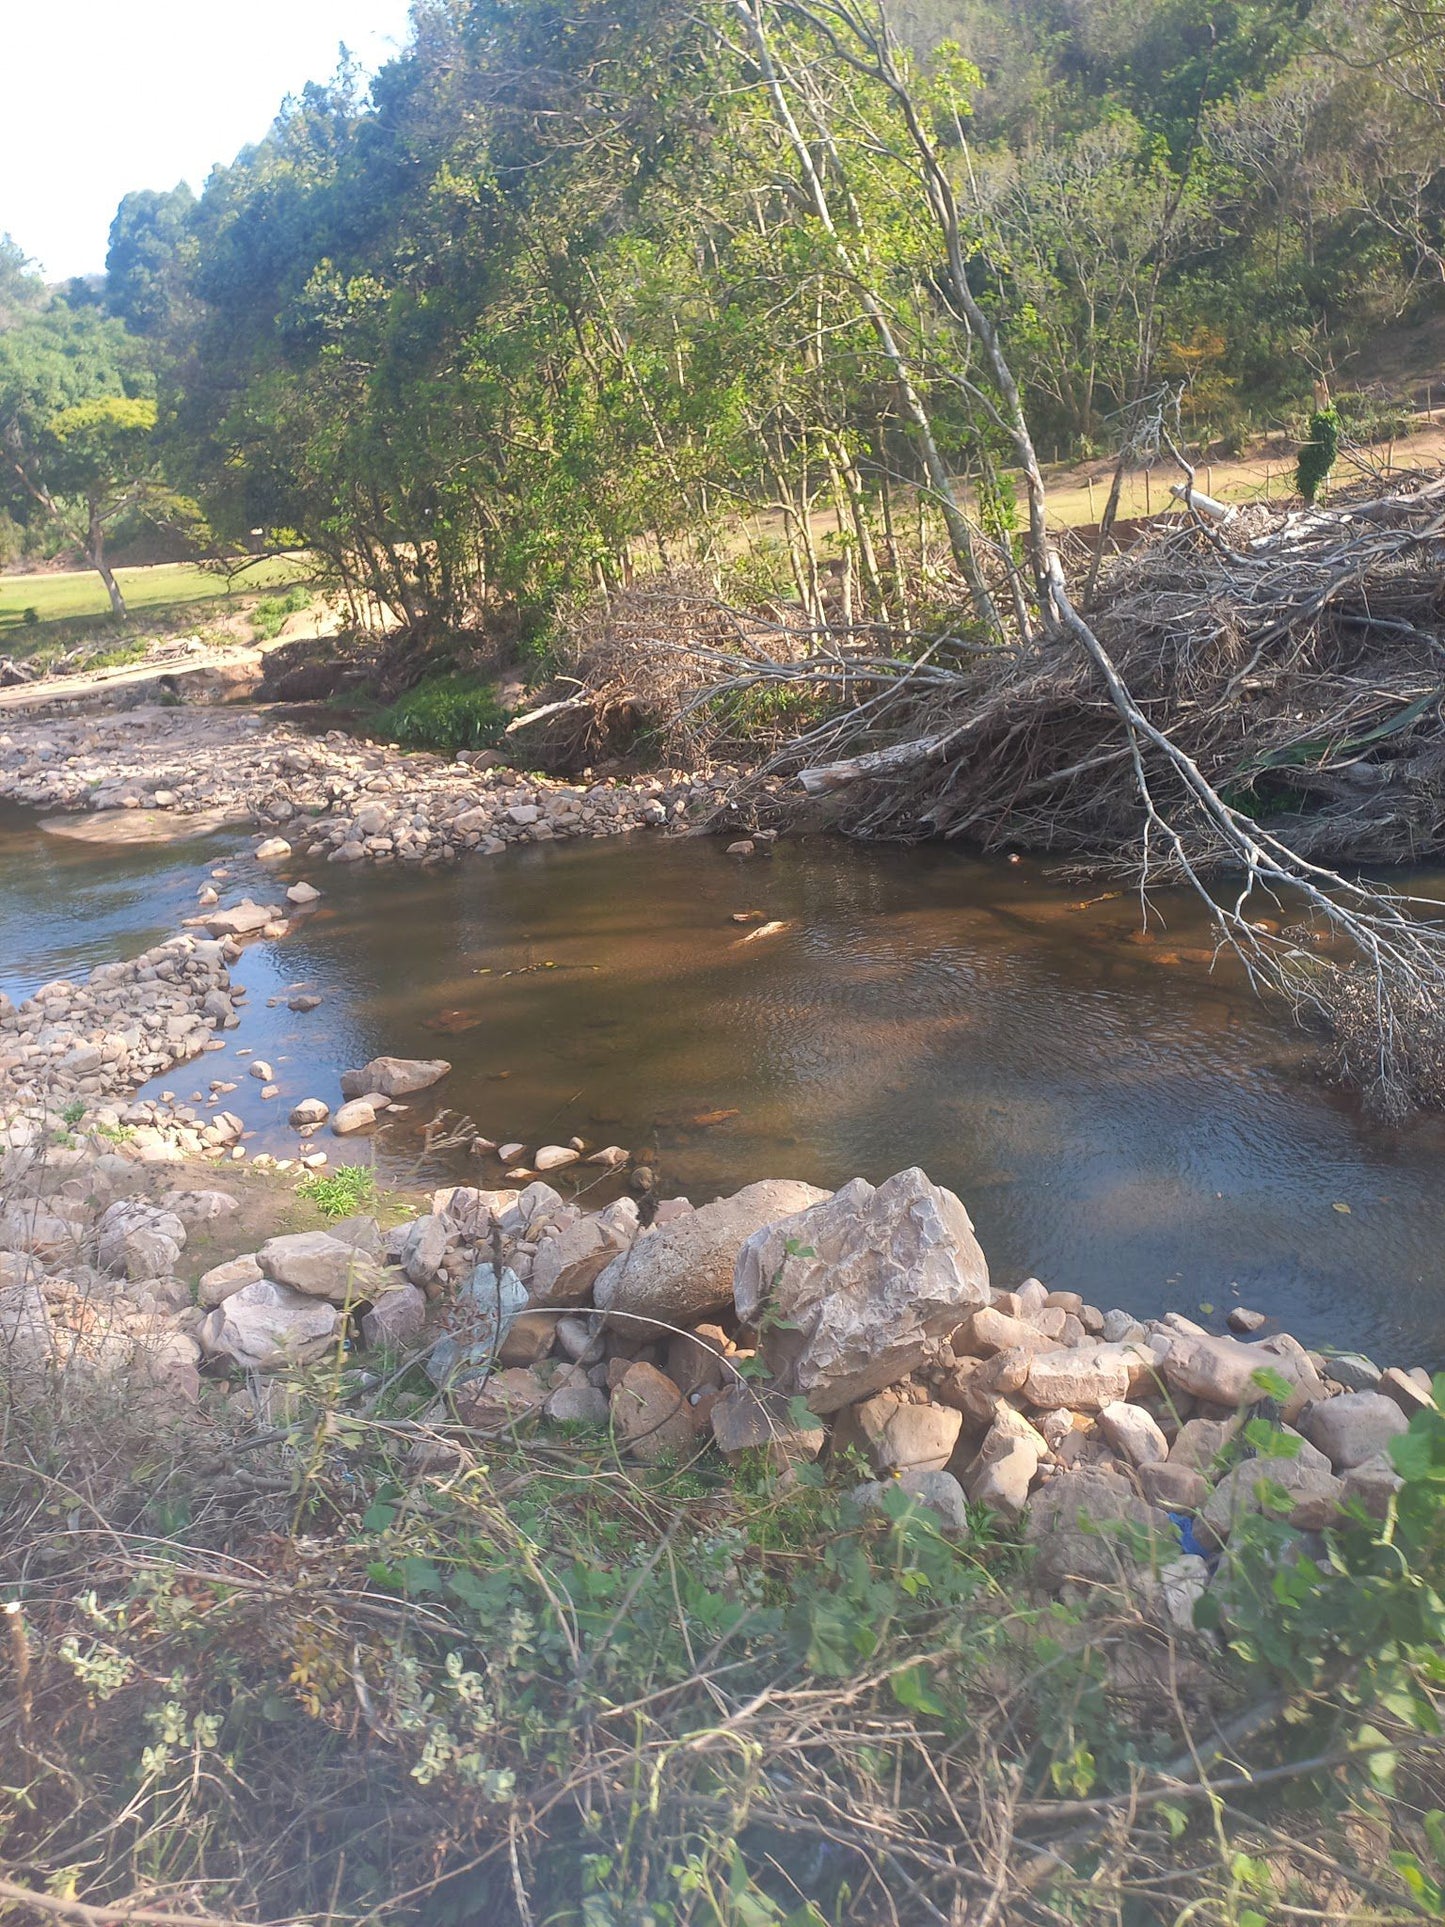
[104,96]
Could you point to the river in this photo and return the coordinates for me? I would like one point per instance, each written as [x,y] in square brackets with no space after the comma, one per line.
[1120,1117]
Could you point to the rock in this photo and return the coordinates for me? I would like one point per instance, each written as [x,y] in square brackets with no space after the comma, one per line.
[554,1157]
[1313,1495]
[1178,1488]
[262,1071]
[223,1281]
[1410,1397]
[682,1272]
[989,1331]
[1220,1370]
[200,1207]
[529,1338]
[27,1339]
[424,1249]
[1134,1434]
[311,1111]
[577,1405]
[1120,1327]
[581,1339]
[266,1327]
[361,1233]
[652,1418]
[1083,1378]
[302,894]
[395,1076]
[696,1362]
[753,1418]
[45,1235]
[1003,1471]
[274,850]
[322,1266]
[245,920]
[1354,1371]
[487,1306]
[138,1239]
[936,1492]
[1201,1443]
[303,1002]
[504,1400]
[1092,1527]
[919,1438]
[358,1115]
[510,1153]
[567,1266]
[1354,1427]
[893,1272]
[1373,1484]
[1182,1584]
[612,1158]
[743,847]
[1241,1319]
[394,1320]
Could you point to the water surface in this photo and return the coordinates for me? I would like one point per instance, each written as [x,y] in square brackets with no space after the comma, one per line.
[1119,1117]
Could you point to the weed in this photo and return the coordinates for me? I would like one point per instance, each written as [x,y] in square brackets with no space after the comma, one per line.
[269,616]
[340,1193]
[446,714]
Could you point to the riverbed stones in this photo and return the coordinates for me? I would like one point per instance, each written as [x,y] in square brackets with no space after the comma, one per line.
[223,1281]
[1302,1490]
[394,1320]
[359,1114]
[1354,1427]
[303,895]
[320,1266]
[27,1340]
[1090,1526]
[275,849]
[424,1249]
[566,1267]
[266,1327]
[310,1112]
[937,1493]
[245,919]
[892,1271]
[1134,1433]
[1083,1378]
[652,1418]
[1220,1370]
[555,1157]
[749,1419]
[682,1272]
[395,1076]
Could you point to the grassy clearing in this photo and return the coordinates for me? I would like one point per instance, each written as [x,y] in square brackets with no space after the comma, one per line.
[74,596]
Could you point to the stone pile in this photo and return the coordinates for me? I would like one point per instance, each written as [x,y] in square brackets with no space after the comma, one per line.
[332,798]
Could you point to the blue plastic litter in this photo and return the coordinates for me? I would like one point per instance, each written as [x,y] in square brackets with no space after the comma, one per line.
[1184,1526]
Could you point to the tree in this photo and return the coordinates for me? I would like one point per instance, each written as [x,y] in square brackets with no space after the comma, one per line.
[77,428]
[152,249]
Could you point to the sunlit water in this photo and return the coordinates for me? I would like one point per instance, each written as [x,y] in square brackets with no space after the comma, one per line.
[1118,1118]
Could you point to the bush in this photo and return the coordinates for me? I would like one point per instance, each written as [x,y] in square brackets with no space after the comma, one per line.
[268,618]
[341,1193]
[1317,456]
[446,714]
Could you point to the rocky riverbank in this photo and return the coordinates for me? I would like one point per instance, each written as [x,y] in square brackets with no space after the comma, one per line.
[330,797]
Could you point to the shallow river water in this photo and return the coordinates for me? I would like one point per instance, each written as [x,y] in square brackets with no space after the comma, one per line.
[1119,1118]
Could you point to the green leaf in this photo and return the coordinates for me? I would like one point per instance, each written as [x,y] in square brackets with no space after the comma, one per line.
[911,1692]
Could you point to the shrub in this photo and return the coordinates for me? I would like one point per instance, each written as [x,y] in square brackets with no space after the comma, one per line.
[339,1194]
[446,714]
[268,618]
[1317,456]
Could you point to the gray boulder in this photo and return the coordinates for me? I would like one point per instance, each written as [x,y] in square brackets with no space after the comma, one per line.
[266,1327]
[892,1271]
[682,1272]
[323,1267]
[395,1076]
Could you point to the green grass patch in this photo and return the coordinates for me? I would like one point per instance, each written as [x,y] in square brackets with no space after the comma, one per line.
[446,714]
[340,1193]
[270,614]
[77,596]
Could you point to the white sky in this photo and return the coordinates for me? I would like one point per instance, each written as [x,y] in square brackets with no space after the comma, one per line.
[103,96]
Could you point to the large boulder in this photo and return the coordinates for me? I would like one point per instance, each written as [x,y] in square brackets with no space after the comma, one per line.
[566,1267]
[224,1281]
[682,1272]
[266,1327]
[137,1238]
[395,1076]
[324,1267]
[1354,1427]
[753,1418]
[1303,1490]
[858,1290]
[652,1418]
[1093,1527]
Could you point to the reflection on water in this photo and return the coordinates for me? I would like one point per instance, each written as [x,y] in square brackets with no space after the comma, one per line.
[1118,1118]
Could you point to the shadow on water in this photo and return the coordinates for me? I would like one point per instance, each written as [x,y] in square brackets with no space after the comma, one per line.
[1120,1117]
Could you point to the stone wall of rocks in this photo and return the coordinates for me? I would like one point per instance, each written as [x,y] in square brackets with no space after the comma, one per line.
[330,797]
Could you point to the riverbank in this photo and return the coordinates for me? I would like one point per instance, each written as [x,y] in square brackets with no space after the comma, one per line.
[329,797]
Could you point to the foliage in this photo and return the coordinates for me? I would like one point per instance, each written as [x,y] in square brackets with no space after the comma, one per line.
[340,1193]
[447,714]
[1318,454]
[268,618]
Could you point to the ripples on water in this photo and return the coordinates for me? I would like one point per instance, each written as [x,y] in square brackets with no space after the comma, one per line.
[1118,1118]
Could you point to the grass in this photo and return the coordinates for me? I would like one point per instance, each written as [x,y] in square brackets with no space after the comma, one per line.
[340,1193]
[447,714]
[78,595]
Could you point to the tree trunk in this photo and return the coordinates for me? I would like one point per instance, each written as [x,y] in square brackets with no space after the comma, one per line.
[95,556]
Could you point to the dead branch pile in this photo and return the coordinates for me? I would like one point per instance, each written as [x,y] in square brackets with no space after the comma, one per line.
[632,665]
[1298,660]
